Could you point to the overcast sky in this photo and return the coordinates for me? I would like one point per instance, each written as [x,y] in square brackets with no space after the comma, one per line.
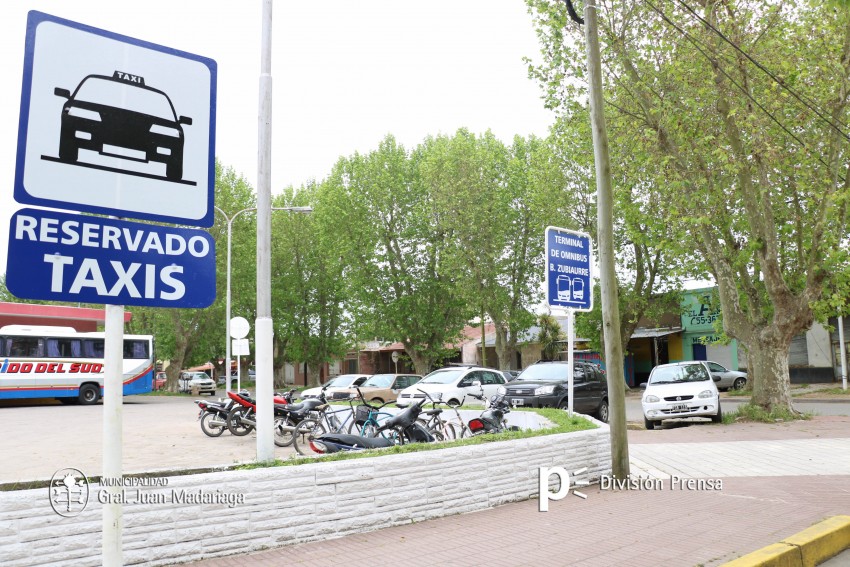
[345,74]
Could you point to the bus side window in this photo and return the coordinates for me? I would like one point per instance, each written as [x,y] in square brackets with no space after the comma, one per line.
[135,349]
[4,350]
[93,348]
[63,348]
[24,347]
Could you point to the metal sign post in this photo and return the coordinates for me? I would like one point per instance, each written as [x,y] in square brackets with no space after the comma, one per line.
[569,283]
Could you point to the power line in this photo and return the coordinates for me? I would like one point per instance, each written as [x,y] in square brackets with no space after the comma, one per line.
[777,80]
[746,93]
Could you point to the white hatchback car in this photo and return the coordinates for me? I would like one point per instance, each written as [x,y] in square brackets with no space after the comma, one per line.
[337,388]
[454,384]
[680,390]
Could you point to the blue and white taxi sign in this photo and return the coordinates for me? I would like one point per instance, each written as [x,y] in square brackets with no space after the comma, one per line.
[115,125]
[569,258]
[80,258]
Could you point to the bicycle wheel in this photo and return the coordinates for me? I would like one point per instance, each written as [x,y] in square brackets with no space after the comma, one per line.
[369,429]
[307,430]
[283,437]
[449,432]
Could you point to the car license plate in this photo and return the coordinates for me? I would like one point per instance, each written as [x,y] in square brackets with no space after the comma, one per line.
[680,407]
[515,402]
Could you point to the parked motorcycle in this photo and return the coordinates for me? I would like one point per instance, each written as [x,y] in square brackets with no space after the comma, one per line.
[213,416]
[241,419]
[492,419]
[403,428]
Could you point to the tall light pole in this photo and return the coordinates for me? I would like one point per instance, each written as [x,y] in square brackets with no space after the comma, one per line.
[230,220]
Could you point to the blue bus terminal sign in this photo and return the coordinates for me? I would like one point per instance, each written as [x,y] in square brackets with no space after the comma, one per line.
[569,257]
[79,258]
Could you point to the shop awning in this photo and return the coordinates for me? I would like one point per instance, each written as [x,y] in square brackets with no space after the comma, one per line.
[653,333]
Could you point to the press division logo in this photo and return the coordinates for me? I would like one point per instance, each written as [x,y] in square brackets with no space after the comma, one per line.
[544,495]
[69,492]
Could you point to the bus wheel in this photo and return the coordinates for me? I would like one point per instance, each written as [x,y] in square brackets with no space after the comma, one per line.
[89,394]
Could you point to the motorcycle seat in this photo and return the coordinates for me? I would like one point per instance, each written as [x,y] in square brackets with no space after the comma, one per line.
[357,440]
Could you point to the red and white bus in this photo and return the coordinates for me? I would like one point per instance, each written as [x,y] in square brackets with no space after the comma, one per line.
[62,363]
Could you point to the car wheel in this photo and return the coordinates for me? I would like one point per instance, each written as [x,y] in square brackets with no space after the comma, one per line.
[649,424]
[602,412]
[68,151]
[89,394]
[453,403]
[718,418]
[564,405]
[739,383]
[174,170]
[376,401]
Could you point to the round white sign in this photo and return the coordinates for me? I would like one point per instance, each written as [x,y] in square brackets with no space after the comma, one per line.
[239,327]
[394,356]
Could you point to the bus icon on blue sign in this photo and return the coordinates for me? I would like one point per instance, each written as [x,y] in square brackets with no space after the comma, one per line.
[569,259]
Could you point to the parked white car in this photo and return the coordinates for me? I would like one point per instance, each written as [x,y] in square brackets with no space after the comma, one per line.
[680,390]
[454,384]
[337,388]
[733,379]
[201,380]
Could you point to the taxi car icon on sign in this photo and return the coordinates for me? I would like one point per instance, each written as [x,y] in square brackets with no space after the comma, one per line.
[121,117]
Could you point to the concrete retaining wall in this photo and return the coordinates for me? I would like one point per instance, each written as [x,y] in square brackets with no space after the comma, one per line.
[285,505]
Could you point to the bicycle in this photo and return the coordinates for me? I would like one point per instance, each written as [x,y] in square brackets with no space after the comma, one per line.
[441,428]
[321,420]
[368,418]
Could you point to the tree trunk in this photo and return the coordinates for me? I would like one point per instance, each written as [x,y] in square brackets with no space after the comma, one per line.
[421,364]
[767,366]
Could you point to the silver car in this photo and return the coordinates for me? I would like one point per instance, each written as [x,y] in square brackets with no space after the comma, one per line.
[728,378]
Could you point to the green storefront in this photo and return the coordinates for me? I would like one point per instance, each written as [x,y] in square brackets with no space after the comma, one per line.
[700,341]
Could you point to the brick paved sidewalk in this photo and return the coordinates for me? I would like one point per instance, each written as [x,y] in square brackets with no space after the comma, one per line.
[634,528]
[631,528]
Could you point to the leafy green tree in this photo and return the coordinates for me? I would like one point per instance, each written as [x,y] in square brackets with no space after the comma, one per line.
[388,231]
[752,159]
[309,292]
[550,337]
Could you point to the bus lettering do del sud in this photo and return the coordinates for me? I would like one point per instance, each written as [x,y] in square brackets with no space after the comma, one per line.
[63,363]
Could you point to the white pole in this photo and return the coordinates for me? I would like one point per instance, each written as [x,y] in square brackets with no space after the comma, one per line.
[570,342]
[238,373]
[264,328]
[227,320]
[841,348]
[113,391]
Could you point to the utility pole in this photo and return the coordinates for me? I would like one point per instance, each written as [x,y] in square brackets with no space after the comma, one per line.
[605,237]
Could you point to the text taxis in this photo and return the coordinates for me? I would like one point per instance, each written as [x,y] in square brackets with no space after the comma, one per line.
[81,258]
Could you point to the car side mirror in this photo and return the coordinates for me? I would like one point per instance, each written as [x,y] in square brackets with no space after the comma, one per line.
[64,93]
[476,383]
[643,385]
[184,120]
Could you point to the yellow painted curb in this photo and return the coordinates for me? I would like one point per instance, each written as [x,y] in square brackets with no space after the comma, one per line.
[823,540]
[807,548]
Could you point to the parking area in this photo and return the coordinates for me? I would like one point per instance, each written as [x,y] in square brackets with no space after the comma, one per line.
[160,433]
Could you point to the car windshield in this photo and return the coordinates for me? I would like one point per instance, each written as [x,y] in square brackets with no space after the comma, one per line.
[343,381]
[379,381]
[119,94]
[679,373]
[443,376]
[544,372]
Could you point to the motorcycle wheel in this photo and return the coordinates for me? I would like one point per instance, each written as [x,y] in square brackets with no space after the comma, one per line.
[283,438]
[234,421]
[306,431]
[211,430]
